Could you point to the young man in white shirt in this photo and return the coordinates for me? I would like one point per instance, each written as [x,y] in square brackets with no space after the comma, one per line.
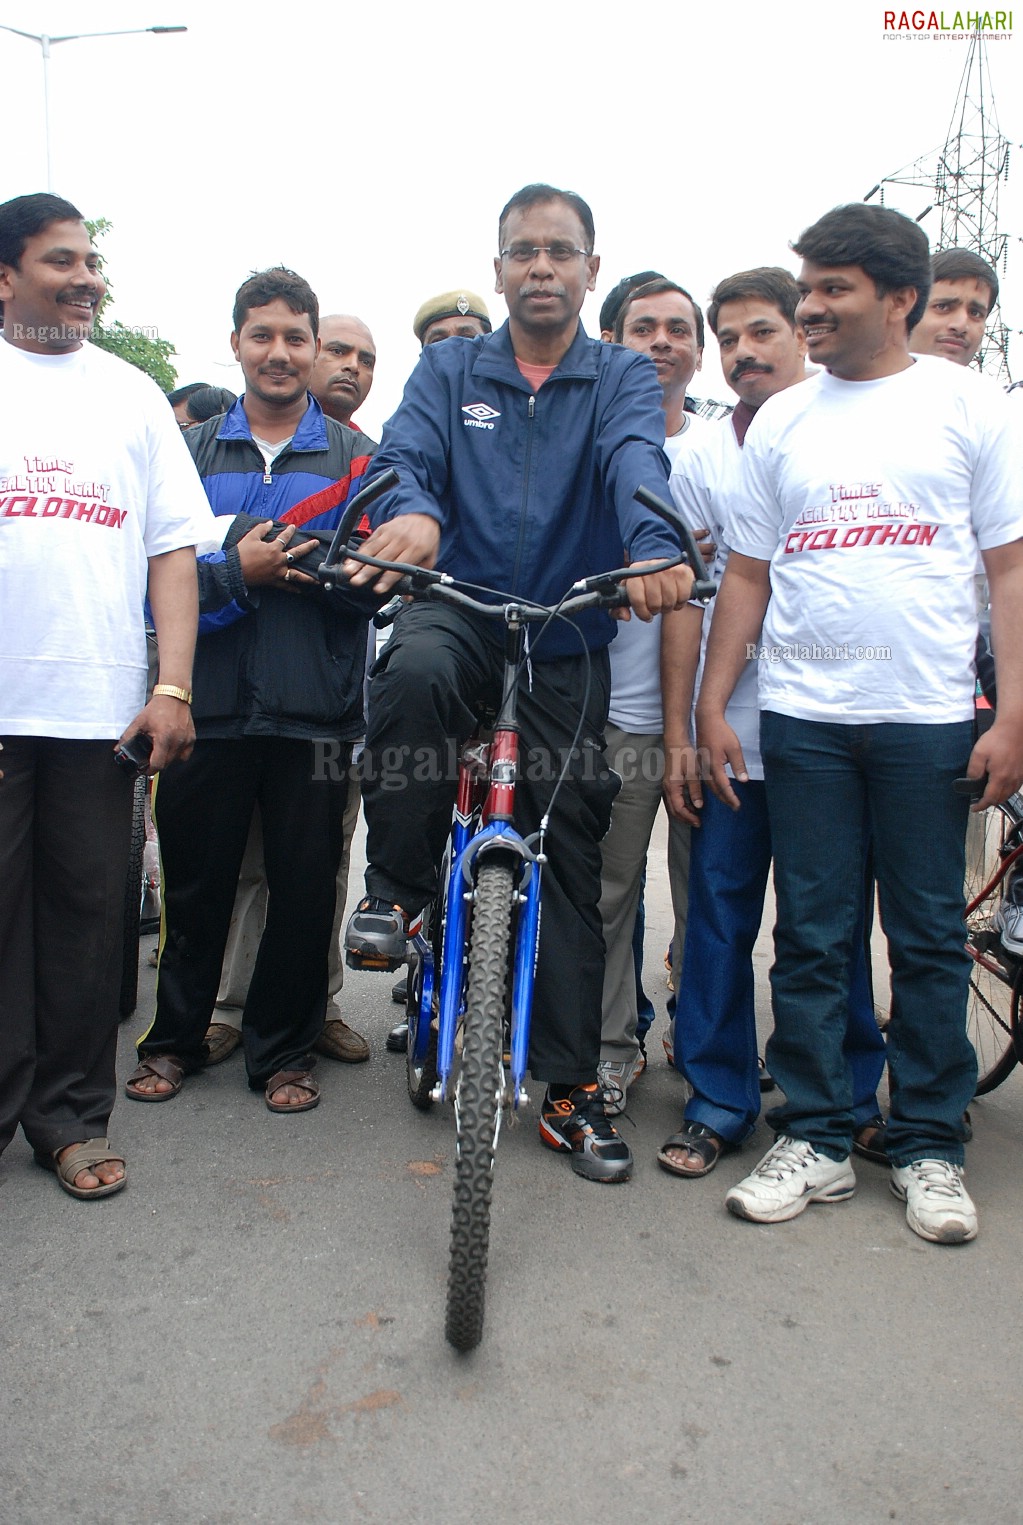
[868,490]
[753,316]
[99,503]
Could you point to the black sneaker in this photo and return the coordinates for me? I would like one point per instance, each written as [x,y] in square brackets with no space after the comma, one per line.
[578,1125]
[376,936]
[397,1039]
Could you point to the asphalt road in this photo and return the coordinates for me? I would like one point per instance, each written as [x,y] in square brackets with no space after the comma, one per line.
[253,1330]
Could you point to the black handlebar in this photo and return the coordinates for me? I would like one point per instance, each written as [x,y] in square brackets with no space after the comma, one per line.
[331,564]
[436,586]
[602,591]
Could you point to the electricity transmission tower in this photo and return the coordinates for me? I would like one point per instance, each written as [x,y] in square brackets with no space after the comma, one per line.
[963,180]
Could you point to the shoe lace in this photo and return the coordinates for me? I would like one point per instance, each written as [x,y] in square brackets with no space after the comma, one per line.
[938,1178]
[788,1156]
[591,1112]
[613,1093]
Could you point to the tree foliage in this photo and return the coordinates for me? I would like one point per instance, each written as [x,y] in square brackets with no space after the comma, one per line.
[135,345]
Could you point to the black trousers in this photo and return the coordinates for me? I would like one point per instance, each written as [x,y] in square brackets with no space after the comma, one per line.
[437,663]
[203,810]
[65,832]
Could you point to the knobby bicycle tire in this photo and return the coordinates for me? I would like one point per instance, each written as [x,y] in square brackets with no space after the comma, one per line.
[478,1104]
[995,986]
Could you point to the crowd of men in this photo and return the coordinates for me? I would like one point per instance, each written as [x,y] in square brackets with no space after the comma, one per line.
[841,505]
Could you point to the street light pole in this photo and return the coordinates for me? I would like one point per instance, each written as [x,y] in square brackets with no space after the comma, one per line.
[45,42]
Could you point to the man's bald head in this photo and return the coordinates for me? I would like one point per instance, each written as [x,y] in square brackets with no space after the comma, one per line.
[343,374]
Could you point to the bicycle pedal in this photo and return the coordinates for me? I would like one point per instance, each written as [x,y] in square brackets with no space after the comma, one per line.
[376,962]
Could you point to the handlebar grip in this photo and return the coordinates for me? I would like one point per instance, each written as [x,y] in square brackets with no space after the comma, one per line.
[973,788]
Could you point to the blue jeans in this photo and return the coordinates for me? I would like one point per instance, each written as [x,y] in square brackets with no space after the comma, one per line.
[828,786]
[715,1030]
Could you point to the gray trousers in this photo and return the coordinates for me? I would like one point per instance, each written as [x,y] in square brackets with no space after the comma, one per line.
[639,760]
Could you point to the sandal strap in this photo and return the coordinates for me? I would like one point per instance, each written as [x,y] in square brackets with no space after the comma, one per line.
[163,1066]
[94,1151]
[302,1078]
[698,1139]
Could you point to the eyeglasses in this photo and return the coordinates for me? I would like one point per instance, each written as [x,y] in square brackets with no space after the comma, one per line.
[559,254]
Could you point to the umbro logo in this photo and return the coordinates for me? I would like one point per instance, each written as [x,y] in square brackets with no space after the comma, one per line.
[479,415]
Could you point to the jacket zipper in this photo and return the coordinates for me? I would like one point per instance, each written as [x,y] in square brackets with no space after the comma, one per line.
[525,494]
[268,470]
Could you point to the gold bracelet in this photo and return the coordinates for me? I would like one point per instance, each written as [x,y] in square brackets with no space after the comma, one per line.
[170,692]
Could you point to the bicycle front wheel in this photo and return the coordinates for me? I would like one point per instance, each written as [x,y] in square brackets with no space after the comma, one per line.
[478,1100]
[994,985]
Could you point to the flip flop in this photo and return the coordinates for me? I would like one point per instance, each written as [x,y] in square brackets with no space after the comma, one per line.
[95,1151]
[301,1078]
[163,1067]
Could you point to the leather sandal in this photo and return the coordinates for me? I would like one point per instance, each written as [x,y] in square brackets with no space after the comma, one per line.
[697,1139]
[94,1151]
[163,1067]
[868,1140]
[301,1078]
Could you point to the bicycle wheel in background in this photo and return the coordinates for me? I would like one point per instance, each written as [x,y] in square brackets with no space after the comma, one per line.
[995,981]
[478,1098]
[133,904]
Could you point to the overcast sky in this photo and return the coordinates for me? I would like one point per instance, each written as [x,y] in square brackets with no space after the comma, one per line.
[371,146]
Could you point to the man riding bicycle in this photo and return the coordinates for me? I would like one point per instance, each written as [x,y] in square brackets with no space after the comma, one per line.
[518,454]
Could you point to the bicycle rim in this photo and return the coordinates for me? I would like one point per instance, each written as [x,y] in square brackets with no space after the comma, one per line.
[422,1077]
[993,995]
[478,1104]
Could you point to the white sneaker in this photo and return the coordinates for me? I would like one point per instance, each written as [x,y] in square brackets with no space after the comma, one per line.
[789,1177]
[1008,920]
[615,1079]
[938,1206]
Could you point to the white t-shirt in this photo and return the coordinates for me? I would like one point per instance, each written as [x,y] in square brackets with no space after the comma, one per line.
[705,485]
[636,650]
[869,499]
[94,479]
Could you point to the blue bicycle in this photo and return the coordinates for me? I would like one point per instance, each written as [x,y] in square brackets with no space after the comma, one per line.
[475,947]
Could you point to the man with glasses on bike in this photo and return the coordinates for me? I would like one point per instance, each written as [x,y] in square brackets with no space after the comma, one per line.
[867,490]
[518,456]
